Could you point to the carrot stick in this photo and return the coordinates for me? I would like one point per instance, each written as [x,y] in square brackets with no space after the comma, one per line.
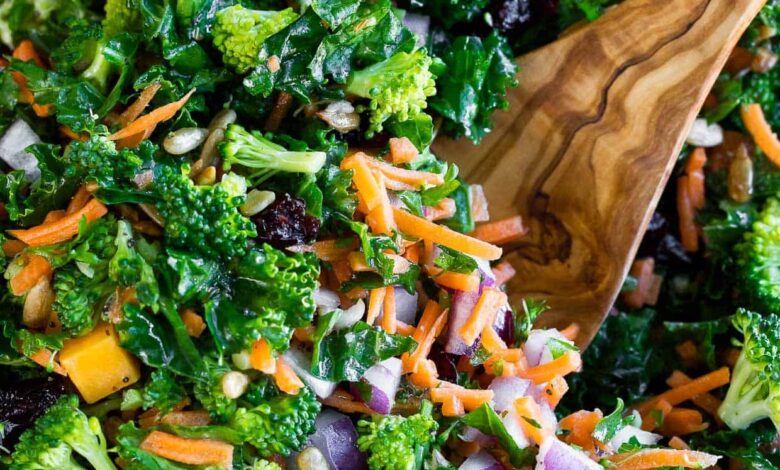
[705,401]
[331,250]
[137,107]
[388,314]
[677,395]
[380,219]
[569,362]
[26,52]
[555,390]
[445,209]
[580,425]
[425,339]
[193,322]
[483,314]
[161,114]
[261,358]
[650,420]
[755,122]
[53,216]
[189,451]
[402,150]
[531,421]
[642,271]
[341,270]
[694,168]
[682,421]
[661,458]
[571,331]
[426,375]
[458,281]
[133,141]
[419,227]
[503,272]
[364,180]
[471,399]
[286,379]
[689,235]
[687,351]
[491,341]
[37,267]
[45,358]
[13,247]
[78,200]
[404,328]
[507,356]
[375,299]
[60,230]
[357,262]
[679,444]
[415,178]
[451,406]
[501,231]
[412,253]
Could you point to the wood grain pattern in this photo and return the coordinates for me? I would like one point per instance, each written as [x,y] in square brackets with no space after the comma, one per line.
[589,140]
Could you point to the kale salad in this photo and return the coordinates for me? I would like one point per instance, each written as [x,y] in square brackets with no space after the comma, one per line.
[227,244]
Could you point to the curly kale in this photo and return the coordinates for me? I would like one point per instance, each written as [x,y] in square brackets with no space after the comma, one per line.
[120,17]
[163,391]
[239,33]
[57,434]
[397,87]
[758,258]
[280,425]
[754,392]
[98,159]
[395,442]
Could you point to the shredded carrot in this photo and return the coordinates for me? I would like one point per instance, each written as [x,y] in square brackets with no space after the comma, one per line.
[705,401]
[694,168]
[37,267]
[133,141]
[186,418]
[677,443]
[53,216]
[13,247]
[451,406]
[380,219]
[70,134]
[412,253]
[688,352]
[501,231]
[571,331]
[415,178]
[331,250]
[375,299]
[471,399]
[404,328]
[402,150]
[755,122]
[458,281]
[341,270]
[503,272]
[193,322]
[681,422]
[424,338]
[491,341]
[445,209]
[419,227]
[45,358]
[580,426]
[483,314]
[156,116]
[345,403]
[137,107]
[388,313]
[61,230]
[514,356]
[569,362]
[261,358]
[79,200]
[26,52]
[555,390]
[364,180]
[661,458]
[464,365]
[286,378]
[689,234]
[357,262]
[677,395]
[304,334]
[531,421]
[642,271]
[426,375]
[655,417]
[188,451]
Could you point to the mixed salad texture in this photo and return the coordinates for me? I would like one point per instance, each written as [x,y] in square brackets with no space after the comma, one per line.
[227,244]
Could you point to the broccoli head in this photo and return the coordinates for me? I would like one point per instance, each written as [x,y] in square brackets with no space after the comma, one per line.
[280,425]
[59,432]
[754,392]
[398,87]
[208,390]
[758,260]
[120,17]
[263,158]
[239,33]
[393,442]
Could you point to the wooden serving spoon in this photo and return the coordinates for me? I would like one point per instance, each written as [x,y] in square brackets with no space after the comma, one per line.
[588,143]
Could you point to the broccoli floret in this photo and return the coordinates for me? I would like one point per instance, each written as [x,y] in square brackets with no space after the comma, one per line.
[208,391]
[56,434]
[163,391]
[45,18]
[394,442]
[280,425]
[75,299]
[202,218]
[397,87]
[264,158]
[758,260]
[239,33]
[262,464]
[754,392]
[120,17]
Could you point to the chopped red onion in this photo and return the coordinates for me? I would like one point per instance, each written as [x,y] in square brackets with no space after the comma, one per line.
[535,347]
[13,149]
[506,390]
[301,364]
[556,455]
[627,432]
[336,437]
[351,315]
[379,385]
[512,425]
[326,298]
[460,310]
[480,461]
[405,307]
[471,434]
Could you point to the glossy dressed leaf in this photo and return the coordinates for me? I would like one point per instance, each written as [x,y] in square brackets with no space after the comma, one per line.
[488,422]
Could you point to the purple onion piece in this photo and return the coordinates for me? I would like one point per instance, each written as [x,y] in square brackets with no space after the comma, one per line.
[506,390]
[504,326]
[480,461]
[405,307]
[446,364]
[419,25]
[470,434]
[301,364]
[557,455]
[627,432]
[535,347]
[336,437]
[379,385]
[511,422]
[460,310]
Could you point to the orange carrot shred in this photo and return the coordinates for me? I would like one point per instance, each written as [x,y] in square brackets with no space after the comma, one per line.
[483,314]
[642,271]
[580,426]
[677,443]
[45,358]
[569,362]
[531,421]
[364,180]
[388,313]
[137,107]
[555,390]
[402,150]
[689,234]
[188,451]
[756,124]
[156,116]
[331,250]
[261,358]
[78,200]
[60,230]
[37,267]
[375,299]
[53,216]
[458,281]
[501,231]
[694,168]
[286,379]
[661,458]
[677,395]
[705,401]
[681,422]
[571,331]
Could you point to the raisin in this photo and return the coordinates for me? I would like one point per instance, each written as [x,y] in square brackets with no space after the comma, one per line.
[21,403]
[285,223]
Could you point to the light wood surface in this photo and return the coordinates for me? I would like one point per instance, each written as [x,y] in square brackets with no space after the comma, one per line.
[589,140]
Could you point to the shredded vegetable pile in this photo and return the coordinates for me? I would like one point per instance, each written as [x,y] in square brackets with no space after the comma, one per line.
[228,244]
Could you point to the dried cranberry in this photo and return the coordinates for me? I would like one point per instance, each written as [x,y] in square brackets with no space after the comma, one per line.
[445,363]
[21,403]
[285,222]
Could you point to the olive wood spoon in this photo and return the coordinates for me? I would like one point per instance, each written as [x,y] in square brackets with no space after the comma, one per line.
[589,140]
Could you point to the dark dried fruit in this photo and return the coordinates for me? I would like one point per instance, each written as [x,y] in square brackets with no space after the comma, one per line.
[21,403]
[286,223]
[662,245]
[445,363]
[510,15]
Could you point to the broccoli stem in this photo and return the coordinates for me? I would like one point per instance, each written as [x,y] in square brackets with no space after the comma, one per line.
[739,409]
[99,70]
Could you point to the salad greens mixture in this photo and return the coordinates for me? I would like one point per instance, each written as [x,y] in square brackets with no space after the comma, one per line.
[227,244]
